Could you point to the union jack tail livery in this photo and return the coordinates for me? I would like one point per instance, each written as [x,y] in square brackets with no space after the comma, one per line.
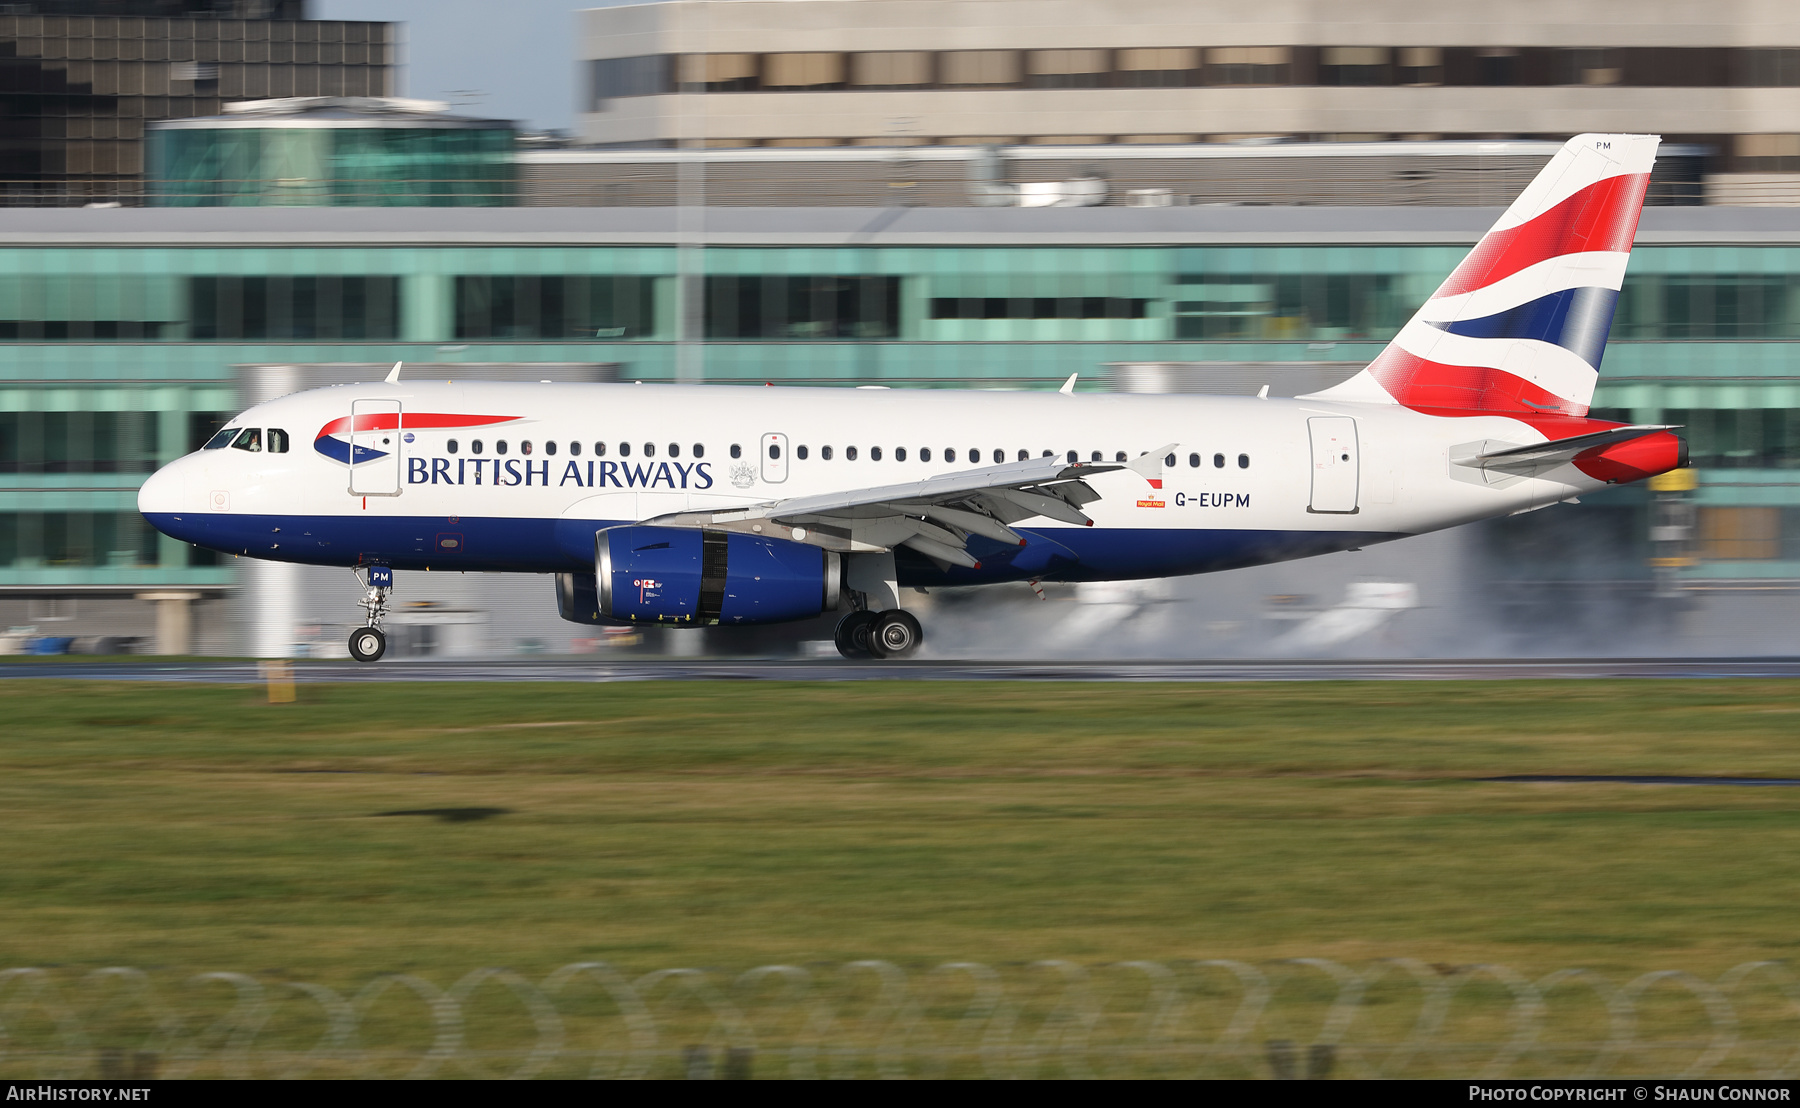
[1521,324]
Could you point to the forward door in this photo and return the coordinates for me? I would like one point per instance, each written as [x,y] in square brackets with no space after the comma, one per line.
[1336,467]
[375,456]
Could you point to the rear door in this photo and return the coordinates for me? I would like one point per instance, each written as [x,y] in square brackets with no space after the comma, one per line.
[1336,468]
[375,457]
[774,458]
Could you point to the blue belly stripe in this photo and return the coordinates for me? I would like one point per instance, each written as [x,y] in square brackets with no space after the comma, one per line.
[506,545]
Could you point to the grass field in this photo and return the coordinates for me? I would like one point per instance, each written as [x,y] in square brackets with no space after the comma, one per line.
[659,824]
[722,824]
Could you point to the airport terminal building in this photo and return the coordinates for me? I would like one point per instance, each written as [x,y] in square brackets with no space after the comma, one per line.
[127,335]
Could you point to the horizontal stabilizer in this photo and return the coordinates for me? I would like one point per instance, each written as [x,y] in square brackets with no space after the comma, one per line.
[1562,450]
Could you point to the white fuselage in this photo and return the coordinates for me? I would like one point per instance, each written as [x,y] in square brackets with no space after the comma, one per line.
[607,454]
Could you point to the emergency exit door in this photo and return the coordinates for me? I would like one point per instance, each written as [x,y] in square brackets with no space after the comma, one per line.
[1336,468]
[774,458]
[375,456]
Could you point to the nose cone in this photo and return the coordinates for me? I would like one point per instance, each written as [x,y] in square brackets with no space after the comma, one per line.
[163,493]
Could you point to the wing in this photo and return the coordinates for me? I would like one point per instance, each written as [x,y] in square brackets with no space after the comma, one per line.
[935,516]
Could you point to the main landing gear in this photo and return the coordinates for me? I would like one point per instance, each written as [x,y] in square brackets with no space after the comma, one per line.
[368,644]
[890,634]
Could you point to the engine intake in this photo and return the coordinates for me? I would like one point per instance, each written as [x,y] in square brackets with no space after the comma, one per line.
[693,577]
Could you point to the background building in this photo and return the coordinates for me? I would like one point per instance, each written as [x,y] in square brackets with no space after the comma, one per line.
[361,151]
[81,78]
[1078,72]
[126,336]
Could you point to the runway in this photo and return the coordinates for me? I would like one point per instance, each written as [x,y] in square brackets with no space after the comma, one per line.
[684,669]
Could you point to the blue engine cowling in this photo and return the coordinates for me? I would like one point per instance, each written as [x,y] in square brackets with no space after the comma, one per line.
[681,576]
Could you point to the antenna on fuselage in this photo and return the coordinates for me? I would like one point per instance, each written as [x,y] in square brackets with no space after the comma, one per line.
[393,377]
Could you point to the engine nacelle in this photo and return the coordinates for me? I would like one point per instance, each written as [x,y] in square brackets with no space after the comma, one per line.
[578,599]
[692,577]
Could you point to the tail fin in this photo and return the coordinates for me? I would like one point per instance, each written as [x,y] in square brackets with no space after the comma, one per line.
[1521,324]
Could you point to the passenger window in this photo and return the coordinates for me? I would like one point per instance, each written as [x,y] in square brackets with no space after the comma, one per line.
[1169,461]
[774,451]
[899,453]
[624,450]
[249,439]
[800,452]
[1094,457]
[1073,457]
[575,449]
[599,450]
[1218,461]
[1243,461]
[500,446]
[475,447]
[924,453]
[450,447]
[674,450]
[525,447]
[874,453]
[1049,453]
[700,451]
[949,453]
[221,440]
[1025,455]
[278,441]
[550,446]
[1193,461]
[649,450]
[1119,457]
[850,453]
[825,452]
[736,450]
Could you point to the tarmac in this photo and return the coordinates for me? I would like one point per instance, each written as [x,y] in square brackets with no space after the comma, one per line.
[240,671]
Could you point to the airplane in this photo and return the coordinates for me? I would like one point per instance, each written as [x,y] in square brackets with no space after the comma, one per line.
[698,505]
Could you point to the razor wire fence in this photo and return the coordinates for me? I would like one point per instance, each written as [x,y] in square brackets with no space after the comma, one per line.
[1296,1018]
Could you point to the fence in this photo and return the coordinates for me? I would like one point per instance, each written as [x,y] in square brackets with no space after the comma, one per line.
[1308,1017]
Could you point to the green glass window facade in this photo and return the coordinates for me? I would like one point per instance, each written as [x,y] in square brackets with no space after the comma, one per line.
[76,540]
[297,307]
[78,442]
[815,306]
[555,306]
[114,359]
[438,167]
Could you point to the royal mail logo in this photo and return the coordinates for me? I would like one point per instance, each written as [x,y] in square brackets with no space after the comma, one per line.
[1152,504]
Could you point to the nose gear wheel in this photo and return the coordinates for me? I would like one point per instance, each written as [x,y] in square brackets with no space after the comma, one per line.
[367,644]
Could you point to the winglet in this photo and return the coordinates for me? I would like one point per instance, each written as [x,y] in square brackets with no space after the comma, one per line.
[1262,393]
[1068,388]
[393,376]
[1150,466]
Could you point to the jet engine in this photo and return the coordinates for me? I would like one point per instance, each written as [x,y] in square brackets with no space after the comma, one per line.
[674,575]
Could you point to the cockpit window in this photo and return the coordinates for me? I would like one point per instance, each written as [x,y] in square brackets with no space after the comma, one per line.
[278,441]
[221,440]
[249,439]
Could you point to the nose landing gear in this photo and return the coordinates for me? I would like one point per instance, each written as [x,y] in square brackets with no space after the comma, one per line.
[368,644]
